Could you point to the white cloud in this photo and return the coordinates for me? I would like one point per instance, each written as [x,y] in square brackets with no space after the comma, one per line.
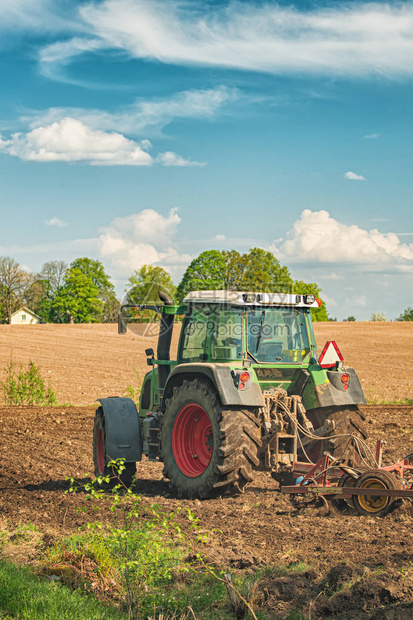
[140,239]
[352,176]
[360,301]
[71,140]
[351,40]
[169,158]
[220,238]
[318,238]
[371,136]
[56,221]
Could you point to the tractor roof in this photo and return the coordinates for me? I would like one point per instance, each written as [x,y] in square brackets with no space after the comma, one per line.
[241,298]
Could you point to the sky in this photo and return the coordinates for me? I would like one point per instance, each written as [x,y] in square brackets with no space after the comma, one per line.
[147,131]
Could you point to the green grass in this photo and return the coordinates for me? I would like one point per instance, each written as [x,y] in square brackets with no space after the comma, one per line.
[383,401]
[25,596]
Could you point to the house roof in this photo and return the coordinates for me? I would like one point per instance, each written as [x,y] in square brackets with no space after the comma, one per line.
[28,312]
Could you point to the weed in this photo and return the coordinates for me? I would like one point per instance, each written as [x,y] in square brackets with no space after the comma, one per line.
[147,560]
[26,386]
[133,392]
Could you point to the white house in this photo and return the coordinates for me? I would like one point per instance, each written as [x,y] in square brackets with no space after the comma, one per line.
[24,316]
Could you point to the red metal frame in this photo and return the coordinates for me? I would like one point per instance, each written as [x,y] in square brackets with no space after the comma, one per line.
[316,478]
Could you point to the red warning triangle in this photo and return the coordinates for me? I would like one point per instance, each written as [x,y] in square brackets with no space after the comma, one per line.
[330,355]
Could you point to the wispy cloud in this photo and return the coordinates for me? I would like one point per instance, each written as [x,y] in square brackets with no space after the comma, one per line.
[352,176]
[56,221]
[147,117]
[371,136]
[348,40]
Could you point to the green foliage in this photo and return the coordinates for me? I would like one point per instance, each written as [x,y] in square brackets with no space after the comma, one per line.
[207,271]
[311,288]
[350,318]
[256,270]
[407,315]
[145,283]
[133,391]
[141,551]
[26,596]
[26,386]
[87,294]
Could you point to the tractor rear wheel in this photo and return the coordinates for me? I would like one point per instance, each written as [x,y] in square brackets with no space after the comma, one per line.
[101,459]
[346,422]
[207,448]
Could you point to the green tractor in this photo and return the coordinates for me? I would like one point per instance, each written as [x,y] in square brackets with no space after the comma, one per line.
[247,391]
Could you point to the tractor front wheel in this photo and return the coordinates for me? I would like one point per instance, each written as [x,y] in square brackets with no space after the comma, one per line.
[207,448]
[101,459]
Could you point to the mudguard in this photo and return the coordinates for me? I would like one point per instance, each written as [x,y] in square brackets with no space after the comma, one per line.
[122,429]
[220,375]
[332,393]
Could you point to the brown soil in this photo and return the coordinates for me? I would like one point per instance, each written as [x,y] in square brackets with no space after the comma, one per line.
[85,362]
[359,567]
[372,556]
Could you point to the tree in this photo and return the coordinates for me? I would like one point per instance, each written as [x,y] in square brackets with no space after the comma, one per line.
[350,318]
[13,280]
[145,283]
[407,315]
[206,272]
[43,288]
[78,299]
[263,272]
[378,316]
[94,270]
[256,270]
[311,288]
[85,291]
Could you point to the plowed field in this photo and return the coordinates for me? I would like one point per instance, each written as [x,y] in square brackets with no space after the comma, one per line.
[41,446]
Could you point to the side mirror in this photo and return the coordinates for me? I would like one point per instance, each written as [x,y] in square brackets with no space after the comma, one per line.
[150,353]
[122,324]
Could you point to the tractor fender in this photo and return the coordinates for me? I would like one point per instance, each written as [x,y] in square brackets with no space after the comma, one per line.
[332,393]
[221,377]
[122,429]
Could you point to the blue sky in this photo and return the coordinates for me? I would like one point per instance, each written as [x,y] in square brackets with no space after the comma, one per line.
[136,131]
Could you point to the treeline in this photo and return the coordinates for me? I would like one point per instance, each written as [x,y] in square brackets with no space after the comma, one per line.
[82,292]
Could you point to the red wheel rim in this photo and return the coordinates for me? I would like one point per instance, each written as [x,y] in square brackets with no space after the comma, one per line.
[100,454]
[192,440]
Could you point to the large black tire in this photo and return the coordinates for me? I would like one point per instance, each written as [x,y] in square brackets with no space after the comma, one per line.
[100,458]
[206,448]
[346,422]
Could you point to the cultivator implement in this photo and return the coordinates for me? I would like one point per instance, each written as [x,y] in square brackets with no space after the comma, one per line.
[372,489]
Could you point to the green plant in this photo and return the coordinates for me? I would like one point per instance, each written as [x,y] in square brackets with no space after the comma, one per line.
[133,392]
[26,386]
[146,560]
